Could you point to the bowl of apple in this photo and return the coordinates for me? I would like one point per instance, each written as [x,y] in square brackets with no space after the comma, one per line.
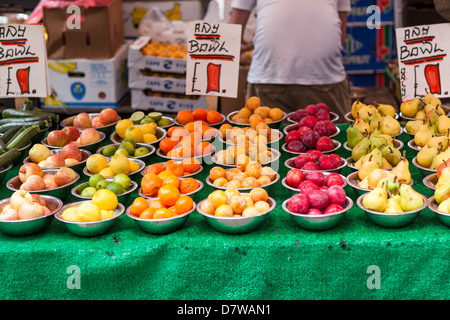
[316,160]
[319,111]
[89,139]
[298,181]
[25,214]
[295,143]
[104,121]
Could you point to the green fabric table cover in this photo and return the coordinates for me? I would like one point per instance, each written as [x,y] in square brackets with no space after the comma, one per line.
[278,261]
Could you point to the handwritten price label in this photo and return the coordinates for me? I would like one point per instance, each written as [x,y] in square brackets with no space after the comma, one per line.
[23,61]
[213,59]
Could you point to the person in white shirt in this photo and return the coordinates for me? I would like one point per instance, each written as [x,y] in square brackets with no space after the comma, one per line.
[297,57]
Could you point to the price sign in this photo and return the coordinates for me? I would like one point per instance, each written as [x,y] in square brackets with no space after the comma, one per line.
[23,61]
[212,66]
[424,64]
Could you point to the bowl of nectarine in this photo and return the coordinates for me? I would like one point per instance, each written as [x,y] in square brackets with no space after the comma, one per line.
[104,121]
[33,213]
[56,160]
[49,182]
[89,139]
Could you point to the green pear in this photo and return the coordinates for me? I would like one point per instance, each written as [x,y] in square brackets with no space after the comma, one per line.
[377,142]
[392,155]
[361,149]
[410,199]
[363,126]
[354,136]
[375,200]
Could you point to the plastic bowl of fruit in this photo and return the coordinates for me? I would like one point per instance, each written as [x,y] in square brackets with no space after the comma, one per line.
[318,222]
[160,134]
[132,175]
[341,181]
[27,227]
[290,163]
[443,217]
[107,129]
[392,220]
[193,194]
[142,151]
[295,126]
[423,170]
[161,225]
[122,197]
[237,224]
[294,150]
[353,180]
[89,228]
[77,166]
[60,192]
[273,124]
[92,147]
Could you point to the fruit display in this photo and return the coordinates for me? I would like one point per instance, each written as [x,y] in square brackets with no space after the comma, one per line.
[241,154]
[144,208]
[101,207]
[83,120]
[297,142]
[421,108]
[250,175]
[253,113]
[315,200]
[295,178]
[69,155]
[371,171]
[261,134]
[120,184]
[142,133]
[140,117]
[233,203]
[206,116]
[313,113]
[183,168]
[316,160]
[109,167]
[381,199]
[24,205]
[167,186]
[33,178]
[165,49]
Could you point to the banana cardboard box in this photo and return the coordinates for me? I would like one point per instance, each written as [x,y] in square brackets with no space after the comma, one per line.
[88,83]
[134,12]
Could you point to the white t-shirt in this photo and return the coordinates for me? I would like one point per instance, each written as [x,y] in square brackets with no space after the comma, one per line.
[296,41]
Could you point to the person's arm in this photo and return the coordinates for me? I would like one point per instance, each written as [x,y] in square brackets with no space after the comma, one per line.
[239,16]
[343,15]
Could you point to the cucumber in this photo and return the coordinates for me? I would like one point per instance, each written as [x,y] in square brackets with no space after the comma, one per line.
[27,105]
[13,113]
[5,127]
[8,156]
[8,135]
[40,119]
[23,138]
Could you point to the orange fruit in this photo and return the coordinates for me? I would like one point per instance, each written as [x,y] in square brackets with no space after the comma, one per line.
[167,144]
[217,172]
[163,213]
[172,180]
[253,103]
[190,165]
[276,114]
[185,116]
[254,120]
[245,112]
[147,213]
[188,185]
[179,133]
[190,126]
[150,184]
[204,147]
[213,116]
[225,130]
[183,204]
[172,129]
[138,206]
[208,132]
[259,194]
[262,111]
[199,114]
[168,194]
[155,168]
[176,168]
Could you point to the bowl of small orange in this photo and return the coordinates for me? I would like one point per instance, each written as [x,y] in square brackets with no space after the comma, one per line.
[158,216]
[211,118]
[254,112]
[166,184]
[185,168]
[183,147]
[196,130]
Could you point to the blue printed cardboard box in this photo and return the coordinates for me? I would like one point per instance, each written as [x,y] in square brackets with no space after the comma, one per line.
[360,13]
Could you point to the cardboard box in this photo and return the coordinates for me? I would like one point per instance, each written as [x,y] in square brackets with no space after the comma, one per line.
[359,12]
[138,79]
[89,83]
[368,49]
[99,37]
[134,11]
[141,101]
[155,64]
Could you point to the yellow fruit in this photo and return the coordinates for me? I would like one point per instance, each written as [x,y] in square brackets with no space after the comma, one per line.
[105,199]
[106,214]
[134,133]
[107,172]
[70,214]
[96,163]
[88,211]
[149,138]
[134,166]
[119,164]
[148,128]
[122,126]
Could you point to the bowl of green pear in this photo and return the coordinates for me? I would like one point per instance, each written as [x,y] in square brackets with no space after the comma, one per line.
[375,139]
[390,209]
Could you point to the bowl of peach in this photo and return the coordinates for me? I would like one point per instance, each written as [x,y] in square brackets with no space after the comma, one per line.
[230,211]
[51,182]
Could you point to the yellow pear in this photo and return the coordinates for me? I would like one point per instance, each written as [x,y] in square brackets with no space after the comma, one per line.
[400,172]
[355,108]
[410,108]
[367,166]
[422,136]
[443,124]
[375,176]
